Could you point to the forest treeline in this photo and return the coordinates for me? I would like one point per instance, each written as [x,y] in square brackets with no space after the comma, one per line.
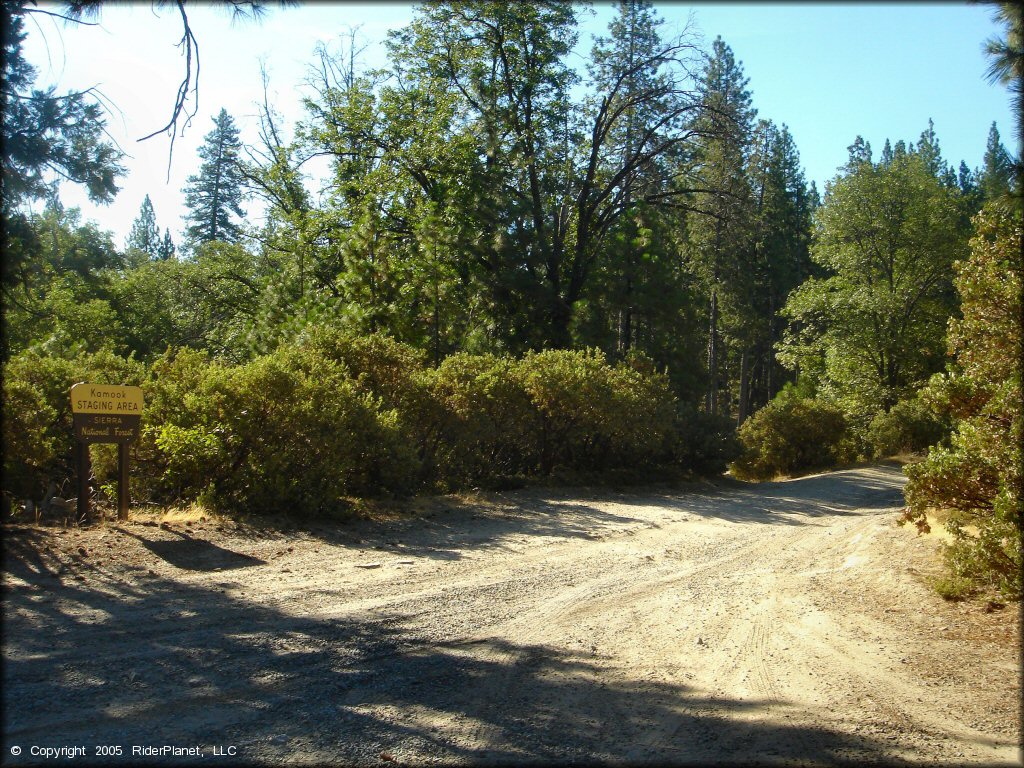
[518,267]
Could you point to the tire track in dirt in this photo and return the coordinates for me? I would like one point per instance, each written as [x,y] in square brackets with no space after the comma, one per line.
[736,625]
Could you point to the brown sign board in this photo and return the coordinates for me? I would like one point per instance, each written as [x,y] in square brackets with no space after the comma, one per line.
[106,399]
[105,413]
[106,428]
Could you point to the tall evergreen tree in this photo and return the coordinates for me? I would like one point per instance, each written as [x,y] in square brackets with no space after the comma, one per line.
[45,136]
[860,152]
[928,149]
[1006,59]
[166,249]
[721,236]
[996,177]
[214,195]
[477,142]
[625,56]
[145,234]
[780,259]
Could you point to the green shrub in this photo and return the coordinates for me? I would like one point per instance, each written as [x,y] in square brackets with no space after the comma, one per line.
[286,432]
[377,364]
[981,479]
[910,426]
[29,441]
[791,435]
[978,473]
[642,413]
[179,451]
[336,415]
[952,587]
[393,372]
[591,416]
[487,432]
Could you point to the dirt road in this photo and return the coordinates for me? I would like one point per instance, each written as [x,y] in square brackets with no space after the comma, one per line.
[773,623]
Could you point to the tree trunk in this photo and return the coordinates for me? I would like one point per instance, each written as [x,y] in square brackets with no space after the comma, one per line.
[770,357]
[437,326]
[711,400]
[560,318]
[626,326]
[744,388]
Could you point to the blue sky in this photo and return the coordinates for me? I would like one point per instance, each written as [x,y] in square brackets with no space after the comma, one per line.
[829,71]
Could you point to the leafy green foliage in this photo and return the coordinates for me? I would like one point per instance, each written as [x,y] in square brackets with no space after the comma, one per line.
[29,444]
[45,132]
[211,302]
[701,443]
[499,279]
[336,415]
[285,432]
[46,138]
[887,236]
[910,426]
[487,429]
[792,435]
[978,474]
[62,304]
[589,415]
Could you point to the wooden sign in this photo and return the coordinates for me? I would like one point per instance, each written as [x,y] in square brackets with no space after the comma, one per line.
[105,413]
[106,399]
[101,428]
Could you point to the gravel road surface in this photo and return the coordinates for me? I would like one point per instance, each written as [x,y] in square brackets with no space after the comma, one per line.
[729,623]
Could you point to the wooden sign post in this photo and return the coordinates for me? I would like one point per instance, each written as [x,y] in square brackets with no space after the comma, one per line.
[105,413]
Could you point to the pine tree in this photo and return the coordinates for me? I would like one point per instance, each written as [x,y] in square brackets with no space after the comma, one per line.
[1006,59]
[860,152]
[780,258]
[721,238]
[634,35]
[44,136]
[166,248]
[215,194]
[997,173]
[145,234]
[928,149]
[886,159]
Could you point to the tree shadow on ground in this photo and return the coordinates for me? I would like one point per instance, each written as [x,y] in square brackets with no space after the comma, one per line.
[512,520]
[792,502]
[154,661]
[194,554]
[479,524]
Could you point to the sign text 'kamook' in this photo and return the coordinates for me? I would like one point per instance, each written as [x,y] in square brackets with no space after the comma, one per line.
[106,399]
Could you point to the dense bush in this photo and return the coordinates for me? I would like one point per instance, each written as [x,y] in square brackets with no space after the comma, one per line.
[286,431]
[977,476]
[334,415]
[910,426]
[591,416]
[791,435]
[553,410]
[488,425]
[29,439]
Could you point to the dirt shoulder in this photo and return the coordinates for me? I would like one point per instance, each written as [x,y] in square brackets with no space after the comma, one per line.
[772,623]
